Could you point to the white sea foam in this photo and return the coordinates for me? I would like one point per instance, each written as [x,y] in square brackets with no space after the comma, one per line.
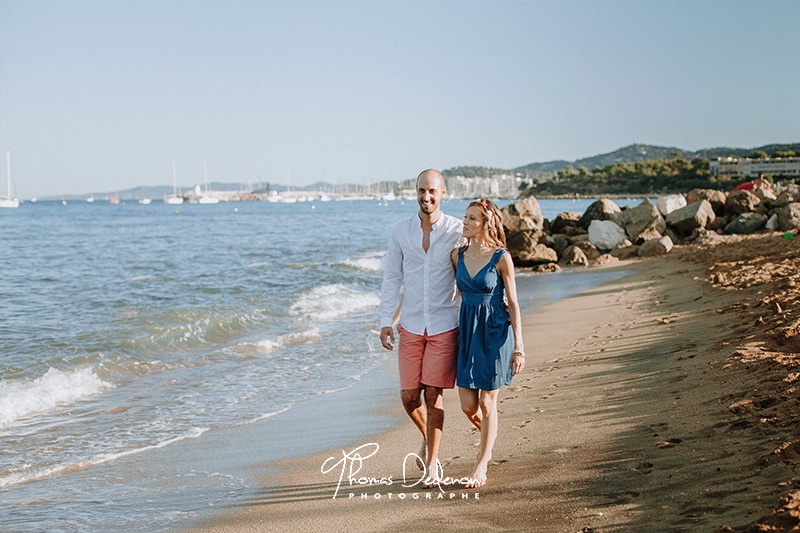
[55,388]
[369,263]
[281,341]
[327,302]
[26,474]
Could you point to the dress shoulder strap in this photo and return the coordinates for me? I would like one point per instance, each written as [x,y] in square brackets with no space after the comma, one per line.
[497,255]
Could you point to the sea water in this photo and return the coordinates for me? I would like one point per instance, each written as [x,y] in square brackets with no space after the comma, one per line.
[128,328]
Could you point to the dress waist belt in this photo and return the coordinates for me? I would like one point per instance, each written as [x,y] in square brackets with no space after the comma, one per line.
[481,298]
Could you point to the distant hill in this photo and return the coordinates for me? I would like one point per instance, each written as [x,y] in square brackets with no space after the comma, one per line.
[647,152]
[627,154]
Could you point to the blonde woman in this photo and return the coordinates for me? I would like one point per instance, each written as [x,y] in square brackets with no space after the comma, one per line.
[490,350]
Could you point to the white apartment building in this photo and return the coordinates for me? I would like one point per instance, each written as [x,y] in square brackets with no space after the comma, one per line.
[497,186]
[735,167]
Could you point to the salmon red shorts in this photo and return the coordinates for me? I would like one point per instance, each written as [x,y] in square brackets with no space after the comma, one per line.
[427,359]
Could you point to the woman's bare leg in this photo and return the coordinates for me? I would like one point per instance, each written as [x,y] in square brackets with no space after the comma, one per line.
[487,400]
[469,404]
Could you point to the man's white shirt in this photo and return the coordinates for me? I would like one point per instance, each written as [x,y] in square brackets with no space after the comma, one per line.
[430,299]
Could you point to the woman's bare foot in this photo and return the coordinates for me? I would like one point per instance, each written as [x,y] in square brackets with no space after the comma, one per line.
[478,477]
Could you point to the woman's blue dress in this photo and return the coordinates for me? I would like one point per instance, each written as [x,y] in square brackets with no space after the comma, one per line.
[485,334]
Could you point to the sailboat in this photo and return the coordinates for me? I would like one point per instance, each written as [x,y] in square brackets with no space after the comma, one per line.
[8,201]
[287,197]
[205,198]
[173,198]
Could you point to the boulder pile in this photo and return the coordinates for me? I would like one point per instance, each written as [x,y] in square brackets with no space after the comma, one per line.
[606,233]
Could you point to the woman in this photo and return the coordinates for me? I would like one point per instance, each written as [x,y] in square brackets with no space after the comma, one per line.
[491,350]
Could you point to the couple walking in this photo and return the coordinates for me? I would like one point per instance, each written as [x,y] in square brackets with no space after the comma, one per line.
[432,257]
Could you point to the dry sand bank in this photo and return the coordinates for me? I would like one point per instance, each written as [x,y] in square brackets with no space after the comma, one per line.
[664,401]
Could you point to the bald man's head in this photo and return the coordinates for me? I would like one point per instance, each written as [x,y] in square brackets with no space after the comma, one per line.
[433,178]
[430,191]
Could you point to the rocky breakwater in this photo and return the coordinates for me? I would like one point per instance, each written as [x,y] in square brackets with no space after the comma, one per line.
[605,233]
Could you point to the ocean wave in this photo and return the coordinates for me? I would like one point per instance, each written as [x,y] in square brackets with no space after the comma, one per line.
[54,389]
[327,302]
[27,473]
[192,327]
[279,342]
[369,263]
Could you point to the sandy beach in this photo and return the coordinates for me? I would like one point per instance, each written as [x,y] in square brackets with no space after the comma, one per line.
[663,401]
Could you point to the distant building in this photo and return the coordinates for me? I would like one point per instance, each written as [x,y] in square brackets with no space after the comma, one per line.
[496,186]
[733,168]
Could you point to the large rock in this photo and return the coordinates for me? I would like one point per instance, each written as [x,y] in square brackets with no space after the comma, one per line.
[764,194]
[573,231]
[625,252]
[605,259]
[668,204]
[676,237]
[558,242]
[519,241]
[589,249]
[574,256]
[603,209]
[524,215]
[746,223]
[694,215]
[772,223]
[739,202]
[788,216]
[642,222]
[565,220]
[714,197]
[537,255]
[787,197]
[718,224]
[606,235]
[655,247]
[705,237]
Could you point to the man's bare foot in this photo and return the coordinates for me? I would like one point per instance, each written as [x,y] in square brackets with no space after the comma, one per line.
[478,477]
[422,455]
[433,475]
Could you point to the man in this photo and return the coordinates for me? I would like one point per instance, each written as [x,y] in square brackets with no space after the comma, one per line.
[418,260]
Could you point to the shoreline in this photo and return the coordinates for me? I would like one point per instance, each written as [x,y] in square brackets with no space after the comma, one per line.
[624,420]
[295,494]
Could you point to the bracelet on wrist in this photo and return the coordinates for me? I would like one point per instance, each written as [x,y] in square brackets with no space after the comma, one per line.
[520,354]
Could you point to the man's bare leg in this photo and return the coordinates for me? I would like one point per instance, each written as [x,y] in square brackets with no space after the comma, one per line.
[412,402]
[434,403]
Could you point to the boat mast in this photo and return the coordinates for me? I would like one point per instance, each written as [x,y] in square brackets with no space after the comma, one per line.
[8,171]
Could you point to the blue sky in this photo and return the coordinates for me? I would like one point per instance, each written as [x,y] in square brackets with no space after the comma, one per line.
[105,95]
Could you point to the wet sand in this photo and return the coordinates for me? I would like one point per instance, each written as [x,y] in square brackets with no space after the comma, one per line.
[663,401]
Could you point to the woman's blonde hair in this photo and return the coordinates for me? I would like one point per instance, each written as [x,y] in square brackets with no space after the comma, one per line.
[493,233]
